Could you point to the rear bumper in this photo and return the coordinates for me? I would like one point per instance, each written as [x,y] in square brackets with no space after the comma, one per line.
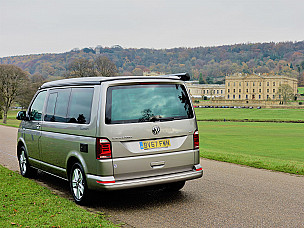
[109,183]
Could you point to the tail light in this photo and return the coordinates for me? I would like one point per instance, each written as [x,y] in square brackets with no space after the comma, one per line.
[196,140]
[103,149]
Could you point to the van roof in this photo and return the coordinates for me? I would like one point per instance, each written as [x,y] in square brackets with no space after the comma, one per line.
[99,80]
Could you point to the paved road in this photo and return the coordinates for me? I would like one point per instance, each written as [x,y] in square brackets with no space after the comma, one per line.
[227,196]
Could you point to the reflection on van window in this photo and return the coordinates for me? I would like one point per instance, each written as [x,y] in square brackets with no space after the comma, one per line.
[80,105]
[56,109]
[37,106]
[69,105]
[151,102]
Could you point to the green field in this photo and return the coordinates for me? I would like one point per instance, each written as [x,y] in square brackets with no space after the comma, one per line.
[249,114]
[11,119]
[24,203]
[274,146]
[301,90]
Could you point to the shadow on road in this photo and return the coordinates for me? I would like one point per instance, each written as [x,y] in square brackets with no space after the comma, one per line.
[131,199]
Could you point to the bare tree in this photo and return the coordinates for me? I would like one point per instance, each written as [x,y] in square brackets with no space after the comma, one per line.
[81,68]
[12,80]
[105,67]
[285,93]
[29,89]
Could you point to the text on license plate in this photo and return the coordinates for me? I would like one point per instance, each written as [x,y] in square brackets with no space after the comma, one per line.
[155,144]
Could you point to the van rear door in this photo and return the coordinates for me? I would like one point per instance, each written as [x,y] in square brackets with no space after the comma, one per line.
[151,127]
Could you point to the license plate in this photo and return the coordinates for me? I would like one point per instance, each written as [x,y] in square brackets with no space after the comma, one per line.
[154,144]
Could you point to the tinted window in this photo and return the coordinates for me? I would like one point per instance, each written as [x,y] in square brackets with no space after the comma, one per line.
[57,105]
[80,105]
[149,102]
[37,106]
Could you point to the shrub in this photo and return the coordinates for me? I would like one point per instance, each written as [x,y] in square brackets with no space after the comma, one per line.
[300,103]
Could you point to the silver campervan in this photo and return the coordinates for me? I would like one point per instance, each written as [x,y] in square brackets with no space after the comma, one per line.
[111,133]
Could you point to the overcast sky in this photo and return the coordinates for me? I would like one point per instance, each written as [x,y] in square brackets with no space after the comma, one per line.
[54,26]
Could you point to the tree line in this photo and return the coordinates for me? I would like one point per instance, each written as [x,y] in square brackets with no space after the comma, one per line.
[213,63]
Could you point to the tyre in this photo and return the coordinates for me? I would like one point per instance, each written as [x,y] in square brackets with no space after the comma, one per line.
[176,186]
[25,169]
[78,184]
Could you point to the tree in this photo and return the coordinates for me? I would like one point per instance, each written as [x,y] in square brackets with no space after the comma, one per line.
[285,93]
[201,79]
[29,89]
[81,68]
[12,80]
[105,67]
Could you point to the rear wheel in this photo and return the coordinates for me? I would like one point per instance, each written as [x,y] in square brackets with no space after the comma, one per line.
[78,184]
[176,186]
[25,169]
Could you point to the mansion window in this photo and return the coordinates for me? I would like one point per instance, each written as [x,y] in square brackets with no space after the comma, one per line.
[228,83]
[260,90]
[247,83]
[267,90]
[253,84]
[221,91]
[267,83]
[260,83]
[239,96]
[246,96]
[253,90]
[240,90]
[274,90]
[247,90]
[273,96]
[240,84]
[234,90]
[228,90]
[273,83]
[233,96]
[259,97]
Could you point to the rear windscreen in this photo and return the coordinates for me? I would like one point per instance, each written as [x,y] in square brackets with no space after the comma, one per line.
[147,102]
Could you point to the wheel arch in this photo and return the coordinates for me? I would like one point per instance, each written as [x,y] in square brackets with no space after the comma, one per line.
[73,158]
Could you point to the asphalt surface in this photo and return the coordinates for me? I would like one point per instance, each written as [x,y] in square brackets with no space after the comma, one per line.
[228,195]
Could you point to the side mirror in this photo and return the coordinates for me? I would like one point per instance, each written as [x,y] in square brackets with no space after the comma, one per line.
[21,115]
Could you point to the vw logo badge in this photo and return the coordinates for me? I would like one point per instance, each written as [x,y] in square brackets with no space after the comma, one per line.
[155,130]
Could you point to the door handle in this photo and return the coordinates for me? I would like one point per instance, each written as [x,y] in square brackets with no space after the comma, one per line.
[157,165]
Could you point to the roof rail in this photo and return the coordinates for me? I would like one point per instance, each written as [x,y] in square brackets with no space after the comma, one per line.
[182,76]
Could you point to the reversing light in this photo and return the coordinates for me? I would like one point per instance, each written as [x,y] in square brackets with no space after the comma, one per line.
[103,149]
[196,140]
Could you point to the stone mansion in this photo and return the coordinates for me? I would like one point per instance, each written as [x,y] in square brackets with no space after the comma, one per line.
[244,87]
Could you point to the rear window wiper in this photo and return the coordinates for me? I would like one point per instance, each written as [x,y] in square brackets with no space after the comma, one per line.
[159,118]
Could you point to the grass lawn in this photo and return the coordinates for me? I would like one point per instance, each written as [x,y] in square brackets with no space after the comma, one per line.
[250,114]
[11,119]
[274,146]
[27,204]
[301,90]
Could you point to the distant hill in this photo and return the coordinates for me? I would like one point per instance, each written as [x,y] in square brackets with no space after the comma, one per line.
[212,62]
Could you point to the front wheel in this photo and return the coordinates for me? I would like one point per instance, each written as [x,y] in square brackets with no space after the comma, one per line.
[25,169]
[78,184]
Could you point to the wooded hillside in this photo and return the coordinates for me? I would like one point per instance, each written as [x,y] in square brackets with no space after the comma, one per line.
[285,58]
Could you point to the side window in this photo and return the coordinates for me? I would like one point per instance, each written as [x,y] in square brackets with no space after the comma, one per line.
[80,105]
[35,111]
[57,105]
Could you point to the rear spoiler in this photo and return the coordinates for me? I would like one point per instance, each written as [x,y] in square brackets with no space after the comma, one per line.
[182,76]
